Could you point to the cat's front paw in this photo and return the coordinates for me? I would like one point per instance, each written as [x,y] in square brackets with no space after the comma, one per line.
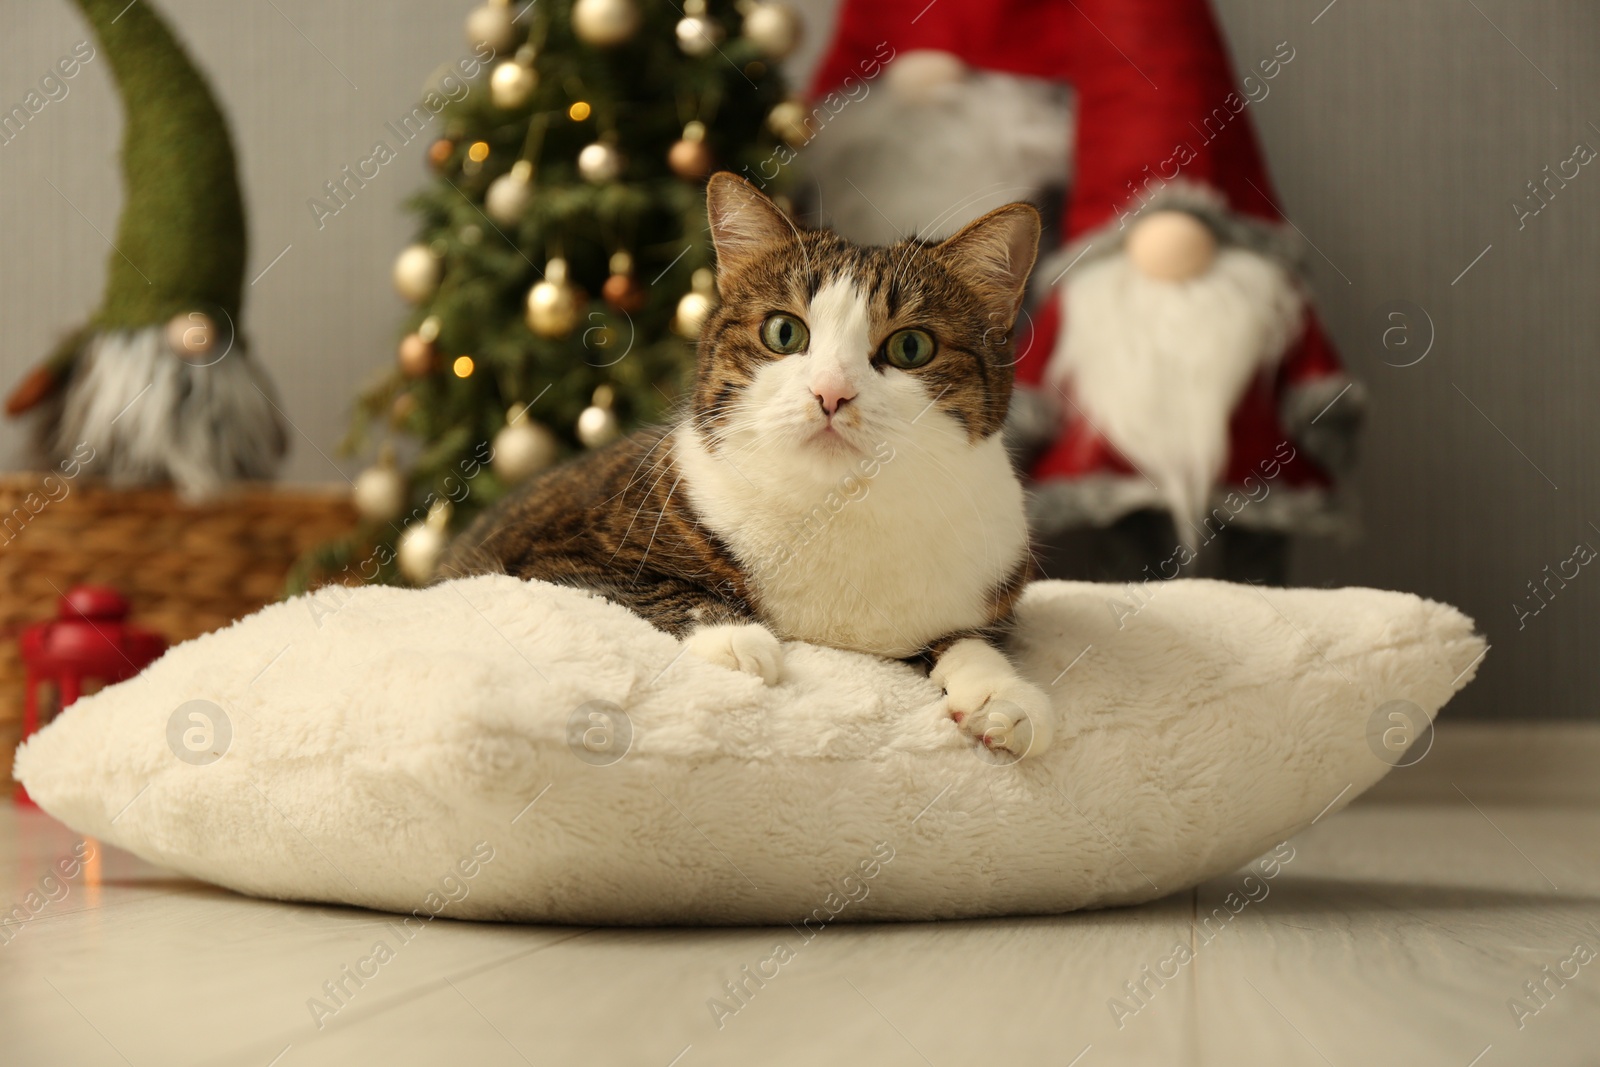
[748,647]
[990,701]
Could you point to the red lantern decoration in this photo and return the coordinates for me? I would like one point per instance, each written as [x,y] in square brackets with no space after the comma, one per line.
[88,639]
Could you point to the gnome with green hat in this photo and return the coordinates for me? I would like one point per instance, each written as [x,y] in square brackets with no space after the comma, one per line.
[158,382]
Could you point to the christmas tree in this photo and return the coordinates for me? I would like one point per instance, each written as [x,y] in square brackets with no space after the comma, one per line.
[562,265]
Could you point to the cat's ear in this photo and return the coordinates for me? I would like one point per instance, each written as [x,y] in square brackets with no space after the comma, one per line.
[995,254]
[744,223]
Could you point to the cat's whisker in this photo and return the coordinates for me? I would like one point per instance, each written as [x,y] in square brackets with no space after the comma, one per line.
[728,437]
[931,427]
[730,429]
[623,540]
[662,514]
[634,479]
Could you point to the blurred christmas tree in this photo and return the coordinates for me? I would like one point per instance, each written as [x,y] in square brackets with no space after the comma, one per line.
[561,270]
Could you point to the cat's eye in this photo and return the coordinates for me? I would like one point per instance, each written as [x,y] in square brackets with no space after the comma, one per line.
[784,334]
[909,349]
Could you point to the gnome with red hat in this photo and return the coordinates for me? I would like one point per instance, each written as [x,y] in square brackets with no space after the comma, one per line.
[1180,407]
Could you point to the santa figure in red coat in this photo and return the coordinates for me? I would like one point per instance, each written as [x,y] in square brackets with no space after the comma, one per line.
[1179,408]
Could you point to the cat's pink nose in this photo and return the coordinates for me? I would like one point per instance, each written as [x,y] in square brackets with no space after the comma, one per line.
[832,394]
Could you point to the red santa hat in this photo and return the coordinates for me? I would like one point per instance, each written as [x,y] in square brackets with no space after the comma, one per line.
[1161,122]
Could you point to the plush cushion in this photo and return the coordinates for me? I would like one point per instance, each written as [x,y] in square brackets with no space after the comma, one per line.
[455,750]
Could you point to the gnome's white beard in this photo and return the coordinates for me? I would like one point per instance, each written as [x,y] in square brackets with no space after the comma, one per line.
[149,416]
[887,166]
[1158,367]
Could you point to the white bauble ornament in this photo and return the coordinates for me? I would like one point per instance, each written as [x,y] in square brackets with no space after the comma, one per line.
[695,306]
[511,84]
[698,36]
[924,75]
[192,335]
[423,543]
[522,448]
[605,23]
[597,426]
[416,273]
[380,491]
[600,162]
[493,24]
[510,194]
[1171,246]
[690,318]
[553,303]
[772,27]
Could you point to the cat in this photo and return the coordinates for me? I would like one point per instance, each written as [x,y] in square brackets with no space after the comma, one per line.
[839,478]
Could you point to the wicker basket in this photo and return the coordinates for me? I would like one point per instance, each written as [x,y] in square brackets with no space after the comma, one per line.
[186,568]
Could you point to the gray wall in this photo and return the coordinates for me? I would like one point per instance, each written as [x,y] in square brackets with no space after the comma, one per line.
[1398,137]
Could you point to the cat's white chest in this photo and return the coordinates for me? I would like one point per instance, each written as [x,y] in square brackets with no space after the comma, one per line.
[886,559]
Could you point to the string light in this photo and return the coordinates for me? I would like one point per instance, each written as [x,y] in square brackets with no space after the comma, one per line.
[578,111]
[462,366]
[479,151]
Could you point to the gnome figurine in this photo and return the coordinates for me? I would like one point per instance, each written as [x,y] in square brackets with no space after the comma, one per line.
[158,383]
[1178,407]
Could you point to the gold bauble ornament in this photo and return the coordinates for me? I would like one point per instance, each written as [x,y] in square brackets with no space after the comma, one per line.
[691,157]
[788,121]
[695,306]
[510,194]
[605,23]
[600,162]
[597,424]
[379,492]
[493,24]
[773,28]
[191,336]
[423,543]
[511,85]
[416,273]
[416,356]
[522,448]
[1171,246]
[554,303]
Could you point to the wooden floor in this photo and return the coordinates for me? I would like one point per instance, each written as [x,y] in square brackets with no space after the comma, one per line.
[1405,930]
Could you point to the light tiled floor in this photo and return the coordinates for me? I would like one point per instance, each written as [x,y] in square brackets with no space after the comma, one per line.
[1400,932]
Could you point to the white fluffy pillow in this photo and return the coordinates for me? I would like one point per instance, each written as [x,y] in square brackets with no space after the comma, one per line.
[420,751]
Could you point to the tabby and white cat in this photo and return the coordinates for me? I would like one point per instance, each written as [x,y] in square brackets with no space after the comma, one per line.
[840,477]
